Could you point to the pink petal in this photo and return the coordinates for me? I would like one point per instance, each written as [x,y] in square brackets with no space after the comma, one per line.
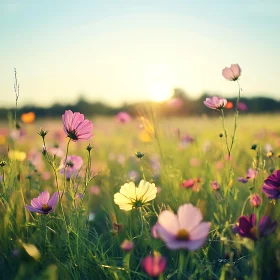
[52,202]
[201,231]
[36,203]
[195,244]
[44,197]
[228,74]
[189,217]
[236,70]
[168,220]
[32,209]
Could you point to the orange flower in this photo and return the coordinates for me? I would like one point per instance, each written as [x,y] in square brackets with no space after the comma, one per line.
[229,105]
[28,117]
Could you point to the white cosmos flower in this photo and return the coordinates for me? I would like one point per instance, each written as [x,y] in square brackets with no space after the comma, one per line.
[131,196]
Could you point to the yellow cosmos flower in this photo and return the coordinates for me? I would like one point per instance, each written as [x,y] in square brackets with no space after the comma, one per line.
[131,196]
[148,132]
[16,155]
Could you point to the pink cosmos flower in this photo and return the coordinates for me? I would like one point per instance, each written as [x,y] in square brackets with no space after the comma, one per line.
[232,73]
[154,265]
[215,185]
[76,127]
[123,117]
[43,204]
[73,165]
[127,246]
[251,174]
[242,106]
[215,102]
[184,230]
[175,102]
[255,200]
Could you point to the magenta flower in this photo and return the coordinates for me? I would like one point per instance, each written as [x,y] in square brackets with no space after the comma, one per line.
[215,102]
[184,230]
[271,186]
[255,200]
[246,227]
[232,73]
[123,117]
[215,185]
[154,265]
[242,106]
[127,246]
[43,204]
[73,165]
[76,127]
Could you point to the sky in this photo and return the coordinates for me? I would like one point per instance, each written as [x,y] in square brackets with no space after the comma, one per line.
[126,51]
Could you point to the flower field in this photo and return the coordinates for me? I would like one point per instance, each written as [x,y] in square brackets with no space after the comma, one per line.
[148,198]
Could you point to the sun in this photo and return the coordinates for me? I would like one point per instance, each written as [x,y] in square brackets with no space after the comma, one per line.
[159,82]
[160,91]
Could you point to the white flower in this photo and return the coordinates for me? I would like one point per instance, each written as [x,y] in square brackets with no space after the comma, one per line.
[131,196]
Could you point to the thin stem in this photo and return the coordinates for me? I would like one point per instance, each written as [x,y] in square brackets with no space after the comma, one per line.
[225,131]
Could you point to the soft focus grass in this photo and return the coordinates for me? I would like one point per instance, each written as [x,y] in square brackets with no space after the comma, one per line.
[76,248]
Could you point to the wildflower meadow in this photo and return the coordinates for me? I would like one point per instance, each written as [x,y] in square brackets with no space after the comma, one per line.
[146,197]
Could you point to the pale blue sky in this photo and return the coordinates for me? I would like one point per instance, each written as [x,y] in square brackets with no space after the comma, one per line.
[118,51]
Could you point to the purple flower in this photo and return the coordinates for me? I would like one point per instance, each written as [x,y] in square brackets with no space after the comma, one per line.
[154,265]
[184,230]
[43,204]
[215,102]
[73,165]
[242,180]
[242,106]
[271,186]
[123,117]
[76,127]
[246,227]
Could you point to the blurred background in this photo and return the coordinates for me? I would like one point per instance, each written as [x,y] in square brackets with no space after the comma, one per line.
[102,57]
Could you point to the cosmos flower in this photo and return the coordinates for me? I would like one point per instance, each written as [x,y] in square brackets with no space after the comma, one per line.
[252,173]
[255,200]
[16,155]
[271,185]
[73,165]
[123,117]
[242,106]
[232,73]
[184,230]
[215,185]
[76,127]
[131,196]
[127,246]
[154,265]
[242,180]
[246,227]
[215,102]
[175,102]
[43,204]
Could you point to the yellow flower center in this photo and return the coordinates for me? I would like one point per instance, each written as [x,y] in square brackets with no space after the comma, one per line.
[253,231]
[46,208]
[182,234]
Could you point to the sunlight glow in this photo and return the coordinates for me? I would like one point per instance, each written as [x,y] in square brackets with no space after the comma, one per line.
[159,82]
